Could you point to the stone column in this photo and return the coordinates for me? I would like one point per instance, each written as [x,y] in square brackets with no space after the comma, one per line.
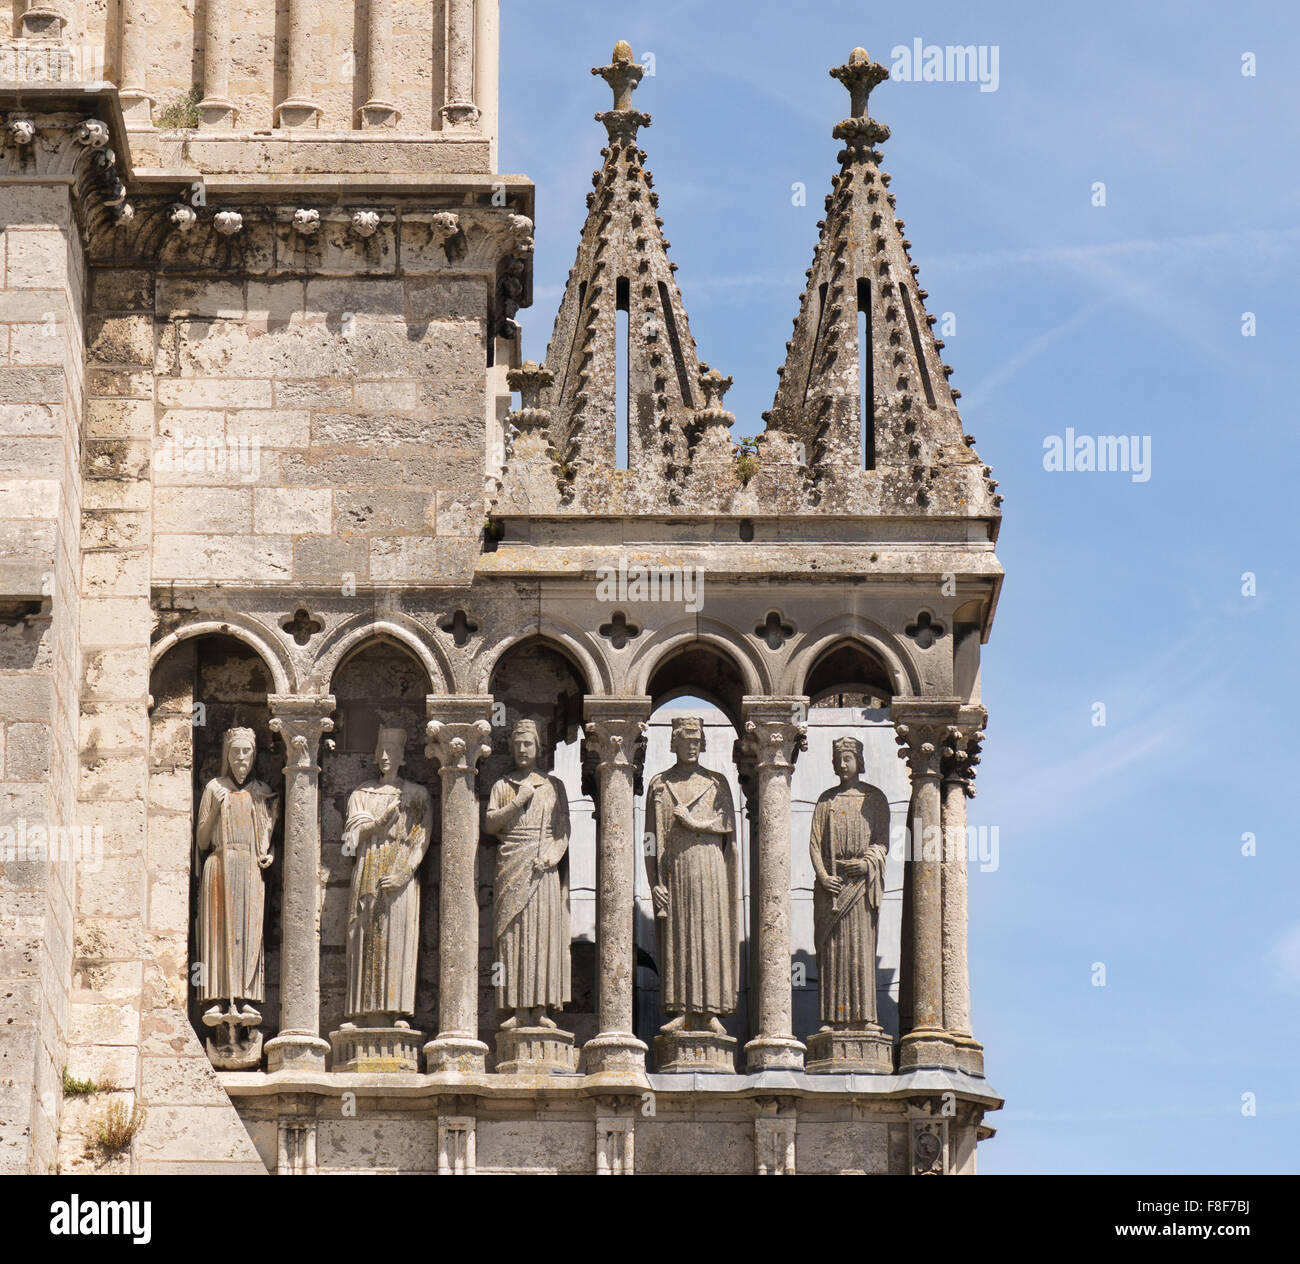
[298,109]
[960,755]
[922,730]
[459,111]
[614,728]
[136,102]
[216,109]
[775,731]
[458,732]
[380,110]
[301,721]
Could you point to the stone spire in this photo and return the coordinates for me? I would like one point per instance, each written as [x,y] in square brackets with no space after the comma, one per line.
[907,454]
[622,265]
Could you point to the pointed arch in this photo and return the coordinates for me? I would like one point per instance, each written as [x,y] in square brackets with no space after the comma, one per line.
[279,666]
[395,627]
[863,634]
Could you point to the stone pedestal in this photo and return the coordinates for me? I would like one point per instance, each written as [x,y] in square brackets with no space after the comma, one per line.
[868,1049]
[695,1051]
[460,1055]
[235,1043]
[535,1051]
[970,1055]
[376,1049]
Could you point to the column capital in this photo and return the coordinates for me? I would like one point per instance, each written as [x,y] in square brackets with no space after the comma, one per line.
[961,748]
[776,730]
[458,731]
[922,726]
[301,720]
[615,728]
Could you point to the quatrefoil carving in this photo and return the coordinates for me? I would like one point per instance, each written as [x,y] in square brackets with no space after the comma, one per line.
[775,630]
[459,626]
[925,630]
[303,625]
[618,631]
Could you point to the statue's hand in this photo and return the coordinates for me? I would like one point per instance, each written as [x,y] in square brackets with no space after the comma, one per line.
[220,792]
[855,868]
[659,895]
[264,860]
[525,796]
[833,885]
[683,818]
[387,816]
[395,881]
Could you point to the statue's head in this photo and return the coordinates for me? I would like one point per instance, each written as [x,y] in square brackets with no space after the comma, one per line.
[687,740]
[390,750]
[238,750]
[526,744]
[846,757]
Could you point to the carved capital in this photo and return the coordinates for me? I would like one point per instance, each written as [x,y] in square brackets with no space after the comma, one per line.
[615,730]
[961,749]
[458,733]
[301,720]
[922,728]
[776,730]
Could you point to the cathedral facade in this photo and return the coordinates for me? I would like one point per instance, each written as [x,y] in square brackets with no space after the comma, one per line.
[414,759]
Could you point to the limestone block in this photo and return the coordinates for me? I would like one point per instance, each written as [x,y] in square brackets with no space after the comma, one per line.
[374,1140]
[110,1024]
[327,559]
[548,1145]
[107,983]
[119,418]
[31,419]
[390,511]
[123,383]
[33,256]
[409,558]
[27,752]
[845,1147]
[271,304]
[180,1081]
[252,558]
[292,510]
[121,340]
[218,510]
[113,776]
[225,392]
[689,1147]
[276,427]
[121,289]
[169,900]
[116,673]
[32,384]
[205,297]
[212,1133]
[29,498]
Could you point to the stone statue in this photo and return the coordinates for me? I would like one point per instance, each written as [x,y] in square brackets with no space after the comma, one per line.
[692,865]
[528,812]
[849,843]
[387,830]
[233,838]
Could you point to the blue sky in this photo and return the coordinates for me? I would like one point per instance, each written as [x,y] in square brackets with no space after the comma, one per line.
[1119,844]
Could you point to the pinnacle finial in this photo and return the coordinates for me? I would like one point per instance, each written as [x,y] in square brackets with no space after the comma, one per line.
[622,74]
[859,75]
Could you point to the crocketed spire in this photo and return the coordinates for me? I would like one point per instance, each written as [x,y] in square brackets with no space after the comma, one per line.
[622,265]
[893,445]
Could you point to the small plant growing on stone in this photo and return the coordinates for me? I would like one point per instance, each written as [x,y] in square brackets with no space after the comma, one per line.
[117,1129]
[73,1087]
[182,112]
[747,458]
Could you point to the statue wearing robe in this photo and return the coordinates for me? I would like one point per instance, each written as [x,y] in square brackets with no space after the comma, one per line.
[693,868]
[387,829]
[235,819]
[530,916]
[849,843]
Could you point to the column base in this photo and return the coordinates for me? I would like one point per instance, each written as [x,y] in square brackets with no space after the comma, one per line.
[296,1051]
[869,1050]
[379,114]
[382,1049]
[970,1055]
[926,1047]
[774,1053]
[704,1051]
[217,112]
[614,1051]
[462,1055]
[535,1051]
[137,108]
[296,113]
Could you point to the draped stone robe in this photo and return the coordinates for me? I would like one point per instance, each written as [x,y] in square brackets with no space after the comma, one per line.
[849,822]
[232,897]
[530,914]
[384,926]
[699,939]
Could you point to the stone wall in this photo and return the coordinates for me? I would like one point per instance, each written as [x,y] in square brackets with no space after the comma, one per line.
[41,389]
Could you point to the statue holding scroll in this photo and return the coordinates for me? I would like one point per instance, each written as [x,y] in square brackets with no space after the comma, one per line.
[387,829]
[692,865]
[528,812]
